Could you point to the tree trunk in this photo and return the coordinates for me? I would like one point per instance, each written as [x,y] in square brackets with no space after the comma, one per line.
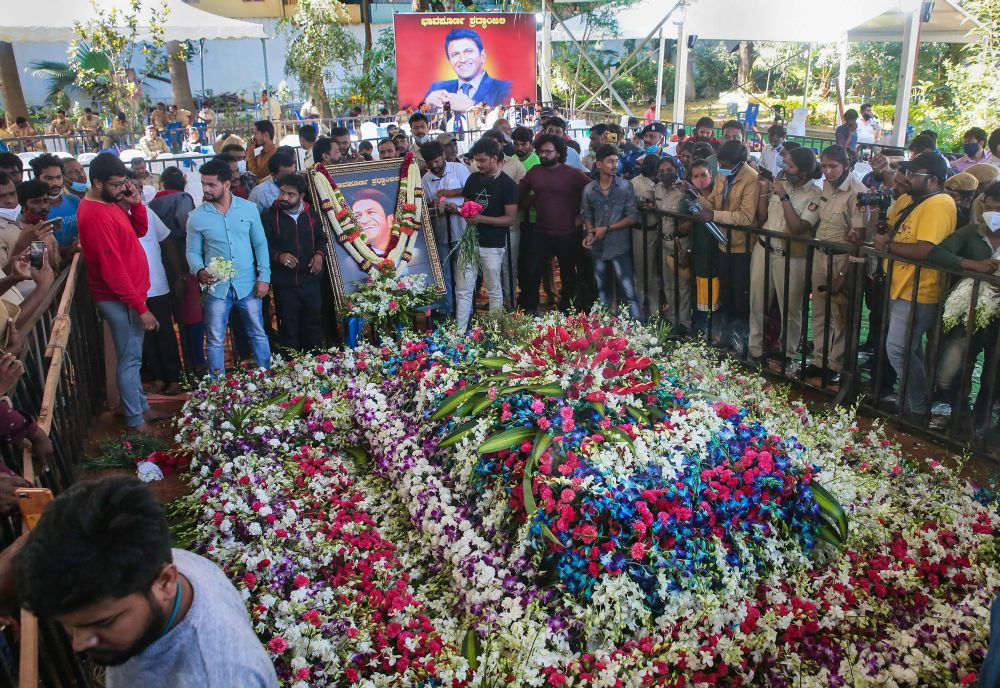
[180,84]
[366,17]
[744,72]
[10,81]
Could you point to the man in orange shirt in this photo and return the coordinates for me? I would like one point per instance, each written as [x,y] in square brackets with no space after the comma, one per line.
[261,148]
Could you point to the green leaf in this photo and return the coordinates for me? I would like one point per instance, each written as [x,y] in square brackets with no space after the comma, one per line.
[295,410]
[483,403]
[551,389]
[506,439]
[621,436]
[453,401]
[470,403]
[638,413]
[831,510]
[458,433]
[829,534]
[655,372]
[548,533]
[495,362]
[471,648]
[358,455]
[599,407]
[542,441]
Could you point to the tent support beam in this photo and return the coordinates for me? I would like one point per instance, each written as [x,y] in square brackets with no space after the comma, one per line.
[267,78]
[680,73]
[597,70]
[635,51]
[907,68]
[809,69]
[659,74]
[201,55]
[546,54]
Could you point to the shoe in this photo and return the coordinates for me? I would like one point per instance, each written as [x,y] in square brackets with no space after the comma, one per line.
[831,378]
[812,370]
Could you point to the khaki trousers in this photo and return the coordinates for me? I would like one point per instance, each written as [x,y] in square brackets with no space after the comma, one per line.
[677,282]
[832,341]
[761,296]
[646,269]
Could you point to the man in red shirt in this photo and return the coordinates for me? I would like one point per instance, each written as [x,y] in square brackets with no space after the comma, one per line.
[118,275]
[650,116]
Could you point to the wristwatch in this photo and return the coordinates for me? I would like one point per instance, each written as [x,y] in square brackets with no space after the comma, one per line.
[784,198]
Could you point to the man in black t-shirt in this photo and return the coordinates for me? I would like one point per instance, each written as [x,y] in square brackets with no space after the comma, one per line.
[497,193]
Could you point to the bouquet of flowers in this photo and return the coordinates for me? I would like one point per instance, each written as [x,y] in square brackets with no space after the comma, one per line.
[388,298]
[468,244]
[959,301]
[221,269]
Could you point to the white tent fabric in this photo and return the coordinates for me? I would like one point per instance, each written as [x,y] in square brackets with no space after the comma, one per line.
[949,23]
[53,20]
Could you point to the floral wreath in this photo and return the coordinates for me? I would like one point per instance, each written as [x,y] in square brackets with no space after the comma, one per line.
[346,231]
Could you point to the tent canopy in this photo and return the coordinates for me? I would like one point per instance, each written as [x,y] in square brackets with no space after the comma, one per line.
[802,21]
[25,22]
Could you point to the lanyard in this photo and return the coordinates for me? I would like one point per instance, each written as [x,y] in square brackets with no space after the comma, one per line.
[173,614]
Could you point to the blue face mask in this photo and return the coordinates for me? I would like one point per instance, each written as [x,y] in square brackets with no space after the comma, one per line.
[726,173]
[79,187]
[971,149]
[652,149]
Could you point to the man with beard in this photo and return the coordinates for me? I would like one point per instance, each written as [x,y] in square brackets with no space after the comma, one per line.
[341,137]
[100,563]
[443,183]
[33,197]
[297,247]
[75,177]
[49,169]
[118,276]
[228,228]
[420,131]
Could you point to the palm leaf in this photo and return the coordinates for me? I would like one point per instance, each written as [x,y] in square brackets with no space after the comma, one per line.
[453,401]
[542,441]
[495,362]
[457,434]
[831,510]
[506,439]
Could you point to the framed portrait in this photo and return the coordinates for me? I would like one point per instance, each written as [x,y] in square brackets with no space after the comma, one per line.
[375,219]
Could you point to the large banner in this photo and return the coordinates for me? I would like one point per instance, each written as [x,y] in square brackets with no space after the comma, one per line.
[464,59]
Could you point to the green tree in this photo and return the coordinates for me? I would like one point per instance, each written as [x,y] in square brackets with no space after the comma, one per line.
[319,44]
[377,78]
[973,79]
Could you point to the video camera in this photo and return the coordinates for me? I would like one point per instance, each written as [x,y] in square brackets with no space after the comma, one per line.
[875,199]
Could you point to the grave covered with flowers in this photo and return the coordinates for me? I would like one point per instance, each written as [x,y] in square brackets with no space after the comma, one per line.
[569,502]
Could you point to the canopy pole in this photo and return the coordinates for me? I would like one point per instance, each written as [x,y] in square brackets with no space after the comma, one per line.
[809,69]
[201,53]
[659,74]
[267,78]
[546,54]
[680,72]
[842,74]
[907,68]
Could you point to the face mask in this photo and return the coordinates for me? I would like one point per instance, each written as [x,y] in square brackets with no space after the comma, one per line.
[79,187]
[793,178]
[422,139]
[726,173]
[653,149]
[241,165]
[971,149]
[12,213]
[991,218]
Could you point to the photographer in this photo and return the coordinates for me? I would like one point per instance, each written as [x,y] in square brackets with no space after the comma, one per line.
[916,230]
[790,204]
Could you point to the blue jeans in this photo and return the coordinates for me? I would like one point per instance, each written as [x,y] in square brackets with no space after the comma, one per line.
[622,267]
[251,315]
[127,333]
[904,350]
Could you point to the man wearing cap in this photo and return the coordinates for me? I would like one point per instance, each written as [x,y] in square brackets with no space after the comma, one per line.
[544,115]
[450,144]
[916,230]
[962,189]
[152,144]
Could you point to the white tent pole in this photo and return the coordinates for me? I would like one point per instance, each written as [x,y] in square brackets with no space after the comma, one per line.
[267,79]
[546,54]
[809,69]
[201,54]
[842,75]
[680,72]
[597,70]
[659,74]
[907,67]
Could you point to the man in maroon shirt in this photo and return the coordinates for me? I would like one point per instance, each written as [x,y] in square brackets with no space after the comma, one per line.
[118,275]
[553,189]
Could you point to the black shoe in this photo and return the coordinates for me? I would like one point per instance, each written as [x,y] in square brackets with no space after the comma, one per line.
[831,378]
[812,370]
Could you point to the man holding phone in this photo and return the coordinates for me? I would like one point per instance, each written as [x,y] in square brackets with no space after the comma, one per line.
[118,276]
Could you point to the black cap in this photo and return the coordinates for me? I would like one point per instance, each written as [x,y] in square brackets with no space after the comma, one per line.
[934,163]
[658,127]
[546,112]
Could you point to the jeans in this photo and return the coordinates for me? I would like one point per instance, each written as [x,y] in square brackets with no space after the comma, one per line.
[537,249]
[193,339]
[950,376]
[299,315]
[508,273]
[621,266]
[907,351]
[490,262]
[127,333]
[251,315]
[159,348]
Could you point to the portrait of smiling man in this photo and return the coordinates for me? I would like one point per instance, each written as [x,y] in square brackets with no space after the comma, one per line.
[464,48]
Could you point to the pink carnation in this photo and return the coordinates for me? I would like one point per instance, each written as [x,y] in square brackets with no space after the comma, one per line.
[277,645]
[470,209]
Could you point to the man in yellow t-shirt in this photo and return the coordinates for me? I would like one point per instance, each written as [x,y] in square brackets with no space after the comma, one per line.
[918,228]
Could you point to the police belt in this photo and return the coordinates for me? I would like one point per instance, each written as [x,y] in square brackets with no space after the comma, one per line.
[776,251]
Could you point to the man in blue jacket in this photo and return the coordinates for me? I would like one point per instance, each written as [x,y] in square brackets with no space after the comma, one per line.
[465,52]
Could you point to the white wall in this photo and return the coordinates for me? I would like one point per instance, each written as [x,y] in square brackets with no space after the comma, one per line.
[230,66]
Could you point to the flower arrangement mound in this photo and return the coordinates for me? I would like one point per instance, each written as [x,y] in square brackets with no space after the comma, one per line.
[563,501]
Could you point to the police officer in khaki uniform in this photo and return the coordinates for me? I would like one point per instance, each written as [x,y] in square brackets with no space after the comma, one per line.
[89,124]
[677,276]
[789,205]
[646,239]
[838,214]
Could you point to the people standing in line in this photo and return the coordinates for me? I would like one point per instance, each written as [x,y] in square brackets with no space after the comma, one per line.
[676,248]
[263,139]
[609,210]
[297,245]
[118,276]
[839,213]
[706,258]
[646,237]
[789,204]
[553,189]
[918,228]
[229,228]
[491,188]
[733,202]
[443,184]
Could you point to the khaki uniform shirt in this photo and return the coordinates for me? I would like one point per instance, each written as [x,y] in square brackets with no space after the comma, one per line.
[62,127]
[152,146]
[159,119]
[10,232]
[184,117]
[89,123]
[805,202]
[644,189]
[207,115]
[735,206]
[838,209]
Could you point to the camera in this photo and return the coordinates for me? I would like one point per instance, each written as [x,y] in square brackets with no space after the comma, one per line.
[875,199]
[694,207]
[36,253]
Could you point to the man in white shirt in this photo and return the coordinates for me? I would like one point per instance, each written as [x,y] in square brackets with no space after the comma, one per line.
[770,155]
[443,183]
[869,128]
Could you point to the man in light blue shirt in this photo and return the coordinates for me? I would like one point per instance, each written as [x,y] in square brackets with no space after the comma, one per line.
[228,227]
[266,191]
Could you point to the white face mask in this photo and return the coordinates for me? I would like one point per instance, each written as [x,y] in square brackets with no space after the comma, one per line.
[241,165]
[10,213]
[992,220]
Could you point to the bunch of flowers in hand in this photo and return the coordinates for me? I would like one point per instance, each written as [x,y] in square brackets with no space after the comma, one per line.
[467,247]
[221,269]
[387,297]
[959,303]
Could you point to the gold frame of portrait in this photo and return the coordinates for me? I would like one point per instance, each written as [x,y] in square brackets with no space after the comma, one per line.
[332,264]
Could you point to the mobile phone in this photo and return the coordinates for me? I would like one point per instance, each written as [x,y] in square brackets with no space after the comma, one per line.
[32,502]
[612,137]
[765,174]
[35,254]
[54,223]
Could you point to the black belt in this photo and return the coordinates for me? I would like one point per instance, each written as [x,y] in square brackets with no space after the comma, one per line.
[829,251]
[669,237]
[775,251]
